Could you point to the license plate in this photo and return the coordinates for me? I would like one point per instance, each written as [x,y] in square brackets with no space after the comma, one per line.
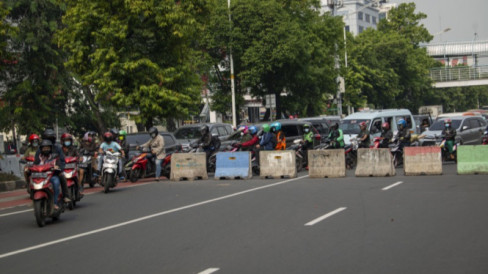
[82,165]
[39,175]
[70,166]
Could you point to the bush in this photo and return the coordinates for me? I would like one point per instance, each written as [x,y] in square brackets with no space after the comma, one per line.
[8,177]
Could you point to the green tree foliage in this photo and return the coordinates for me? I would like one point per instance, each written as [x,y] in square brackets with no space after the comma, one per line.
[277,46]
[37,83]
[388,65]
[137,54]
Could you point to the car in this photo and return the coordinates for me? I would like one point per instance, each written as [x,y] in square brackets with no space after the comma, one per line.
[190,133]
[171,144]
[469,130]
[374,120]
[293,130]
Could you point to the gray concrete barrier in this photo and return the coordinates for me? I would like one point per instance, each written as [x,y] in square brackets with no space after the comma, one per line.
[188,166]
[375,162]
[277,164]
[326,163]
[422,160]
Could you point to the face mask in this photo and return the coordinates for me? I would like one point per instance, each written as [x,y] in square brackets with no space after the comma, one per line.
[67,144]
[35,144]
[46,151]
[121,138]
[447,125]
[153,135]
[306,130]
[242,133]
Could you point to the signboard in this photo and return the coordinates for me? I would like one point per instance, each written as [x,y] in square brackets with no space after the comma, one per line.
[270,100]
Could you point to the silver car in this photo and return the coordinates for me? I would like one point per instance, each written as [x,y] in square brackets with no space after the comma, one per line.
[469,131]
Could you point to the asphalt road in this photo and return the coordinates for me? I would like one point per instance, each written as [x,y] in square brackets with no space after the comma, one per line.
[421,224]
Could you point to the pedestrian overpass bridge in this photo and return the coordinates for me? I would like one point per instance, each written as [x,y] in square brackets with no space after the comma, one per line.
[462,63]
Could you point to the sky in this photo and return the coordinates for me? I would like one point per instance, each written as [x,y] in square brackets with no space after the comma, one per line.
[463,17]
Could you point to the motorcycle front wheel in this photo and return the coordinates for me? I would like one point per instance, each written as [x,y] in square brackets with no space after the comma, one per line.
[108,182]
[135,174]
[39,212]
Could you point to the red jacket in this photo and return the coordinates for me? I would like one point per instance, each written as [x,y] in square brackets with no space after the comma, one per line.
[251,142]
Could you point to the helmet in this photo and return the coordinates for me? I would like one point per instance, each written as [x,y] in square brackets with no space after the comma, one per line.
[385,125]
[244,129]
[448,122]
[276,126]
[335,126]
[153,132]
[362,124]
[266,128]
[114,131]
[49,134]
[108,137]
[204,129]
[402,123]
[66,139]
[122,135]
[253,130]
[46,147]
[33,137]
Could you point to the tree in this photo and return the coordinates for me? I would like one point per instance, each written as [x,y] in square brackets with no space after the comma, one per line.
[137,54]
[36,81]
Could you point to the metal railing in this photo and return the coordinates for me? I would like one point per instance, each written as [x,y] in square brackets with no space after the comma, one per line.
[460,73]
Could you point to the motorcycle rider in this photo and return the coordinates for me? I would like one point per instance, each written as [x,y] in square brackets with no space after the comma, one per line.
[307,137]
[48,152]
[280,136]
[110,144]
[449,134]
[50,135]
[386,135]
[363,136]
[88,145]
[268,141]
[403,135]
[252,142]
[336,136]
[207,142]
[70,150]
[156,145]
[123,143]
[30,152]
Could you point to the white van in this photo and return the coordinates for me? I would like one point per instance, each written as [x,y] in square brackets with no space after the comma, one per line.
[374,119]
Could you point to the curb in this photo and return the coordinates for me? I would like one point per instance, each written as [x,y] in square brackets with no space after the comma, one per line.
[11,185]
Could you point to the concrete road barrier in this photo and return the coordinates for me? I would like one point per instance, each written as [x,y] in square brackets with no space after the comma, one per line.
[277,164]
[326,163]
[422,160]
[376,162]
[188,166]
[233,165]
[472,159]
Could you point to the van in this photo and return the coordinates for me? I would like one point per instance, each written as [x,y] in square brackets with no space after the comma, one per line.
[374,119]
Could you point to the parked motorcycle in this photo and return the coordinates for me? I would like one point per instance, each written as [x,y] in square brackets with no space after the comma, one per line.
[43,193]
[109,170]
[86,164]
[71,174]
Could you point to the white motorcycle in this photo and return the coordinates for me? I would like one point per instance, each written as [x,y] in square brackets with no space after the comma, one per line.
[109,170]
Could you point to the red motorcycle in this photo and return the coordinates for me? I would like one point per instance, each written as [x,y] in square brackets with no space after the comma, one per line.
[71,174]
[376,142]
[140,167]
[42,192]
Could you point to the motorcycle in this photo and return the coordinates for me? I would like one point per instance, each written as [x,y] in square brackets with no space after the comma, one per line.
[446,156]
[351,153]
[301,159]
[484,140]
[86,164]
[376,142]
[141,167]
[396,150]
[71,174]
[109,170]
[42,192]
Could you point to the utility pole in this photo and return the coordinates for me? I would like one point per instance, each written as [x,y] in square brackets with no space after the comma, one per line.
[232,83]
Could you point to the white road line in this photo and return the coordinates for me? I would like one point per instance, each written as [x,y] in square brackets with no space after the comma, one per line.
[393,185]
[143,219]
[210,270]
[325,216]
[16,212]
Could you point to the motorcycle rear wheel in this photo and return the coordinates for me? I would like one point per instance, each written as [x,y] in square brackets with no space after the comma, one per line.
[39,209]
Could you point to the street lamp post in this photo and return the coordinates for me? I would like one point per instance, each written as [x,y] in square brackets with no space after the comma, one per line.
[232,83]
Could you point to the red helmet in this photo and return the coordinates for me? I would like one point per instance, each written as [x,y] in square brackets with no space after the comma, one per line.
[108,136]
[362,124]
[66,136]
[385,125]
[33,137]
[448,120]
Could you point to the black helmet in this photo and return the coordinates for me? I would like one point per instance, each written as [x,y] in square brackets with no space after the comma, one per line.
[50,135]
[335,125]
[46,143]
[153,132]
[114,132]
[204,129]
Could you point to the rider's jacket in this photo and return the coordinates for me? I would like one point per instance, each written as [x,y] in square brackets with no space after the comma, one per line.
[449,134]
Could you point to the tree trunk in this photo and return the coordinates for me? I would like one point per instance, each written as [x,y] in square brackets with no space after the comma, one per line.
[278,105]
[96,111]
[170,124]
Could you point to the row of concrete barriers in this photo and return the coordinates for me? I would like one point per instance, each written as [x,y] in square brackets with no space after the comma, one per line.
[328,163]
